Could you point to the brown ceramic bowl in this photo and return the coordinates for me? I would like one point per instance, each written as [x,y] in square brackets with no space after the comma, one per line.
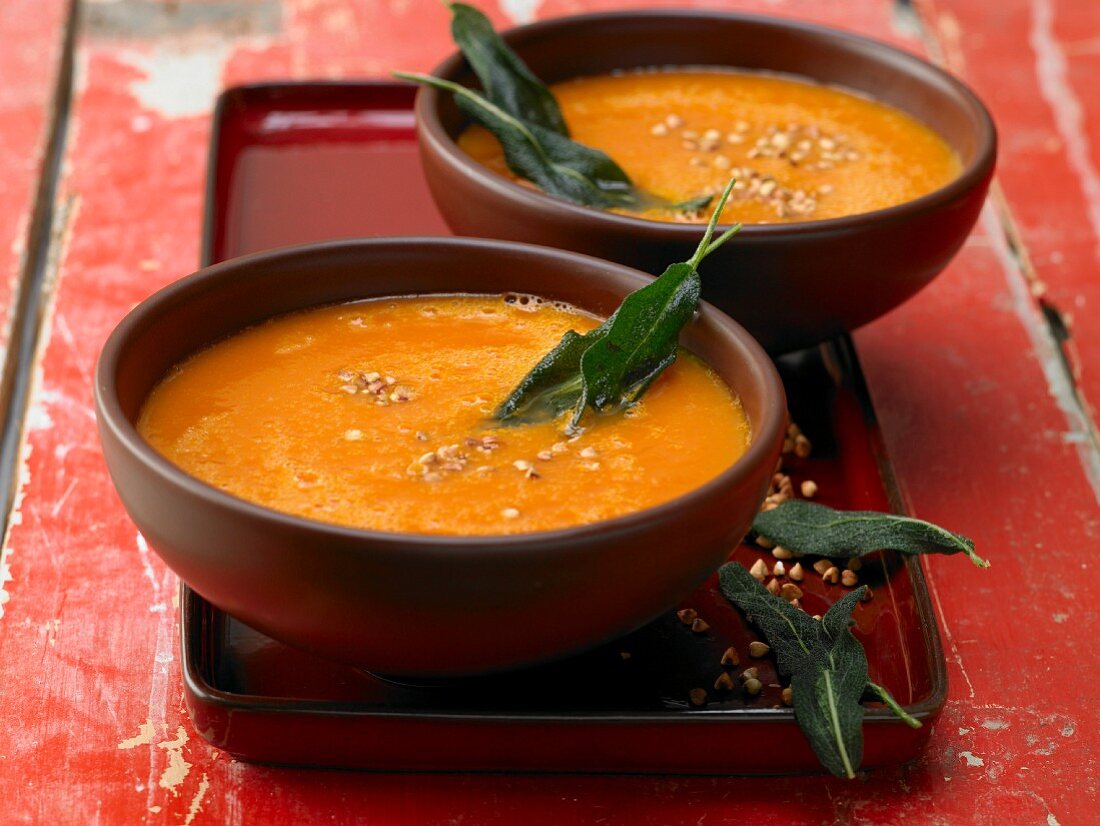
[790,285]
[416,604]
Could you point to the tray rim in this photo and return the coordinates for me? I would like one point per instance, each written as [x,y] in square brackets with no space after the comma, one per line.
[195,611]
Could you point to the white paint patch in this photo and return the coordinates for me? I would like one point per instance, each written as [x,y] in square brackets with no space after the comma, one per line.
[1059,618]
[1051,72]
[23,480]
[970,759]
[182,76]
[146,566]
[61,232]
[37,417]
[1052,820]
[963,731]
[159,677]
[521,11]
[995,724]
[1068,730]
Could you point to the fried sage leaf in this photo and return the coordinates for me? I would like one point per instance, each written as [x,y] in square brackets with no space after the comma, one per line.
[554,384]
[558,165]
[825,662]
[791,633]
[810,528]
[507,81]
[524,116]
[614,364]
[826,703]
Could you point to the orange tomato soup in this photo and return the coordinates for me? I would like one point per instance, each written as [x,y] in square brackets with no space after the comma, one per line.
[377,414]
[800,151]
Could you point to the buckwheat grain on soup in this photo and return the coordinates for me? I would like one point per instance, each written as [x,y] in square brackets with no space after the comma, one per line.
[800,151]
[377,414]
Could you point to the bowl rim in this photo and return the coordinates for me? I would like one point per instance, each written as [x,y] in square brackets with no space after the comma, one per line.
[972,174]
[111,417]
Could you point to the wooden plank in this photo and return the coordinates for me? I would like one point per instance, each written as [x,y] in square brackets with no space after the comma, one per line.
[92,727]
[32,33]
[1035,63]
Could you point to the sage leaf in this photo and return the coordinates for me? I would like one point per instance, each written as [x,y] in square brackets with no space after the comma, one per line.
[791,633]
[525,117]
[556,164]
[642,341]
[613,365]
[554,384]
[825,662]
[507,81]
[826,703]
[810,528]
[887,698]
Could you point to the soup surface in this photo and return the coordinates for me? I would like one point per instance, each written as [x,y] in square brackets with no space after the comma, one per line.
[376,414]
[799,151]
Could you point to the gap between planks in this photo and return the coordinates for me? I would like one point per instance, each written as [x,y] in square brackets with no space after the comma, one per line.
[1051,337]
[33,289]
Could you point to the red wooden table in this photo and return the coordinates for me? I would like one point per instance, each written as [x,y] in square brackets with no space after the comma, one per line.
[985,385]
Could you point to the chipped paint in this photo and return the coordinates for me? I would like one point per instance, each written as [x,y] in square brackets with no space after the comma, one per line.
[146,565]
[143,737]
[104,783]
[37,417]
[132,19]
[971,759]
[178,768]
[15,518]
[159,681]
[181,77]
[521,11]
[196,801]
[995,724]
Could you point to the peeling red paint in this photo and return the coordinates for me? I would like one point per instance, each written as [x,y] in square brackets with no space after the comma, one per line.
[88,639]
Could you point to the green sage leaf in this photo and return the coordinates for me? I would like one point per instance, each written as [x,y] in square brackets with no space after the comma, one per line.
[613,365]
[642,339]
[554,384]
[556,164]
[888,699]
[792,634]
[524,116]
[826,703]
[826,663]
[507,81]
[810,528]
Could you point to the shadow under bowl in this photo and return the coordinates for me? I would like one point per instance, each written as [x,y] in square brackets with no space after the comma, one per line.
[409,604]
[791,285]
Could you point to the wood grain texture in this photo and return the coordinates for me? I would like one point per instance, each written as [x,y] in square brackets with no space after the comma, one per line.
[92,727]
[31,34]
